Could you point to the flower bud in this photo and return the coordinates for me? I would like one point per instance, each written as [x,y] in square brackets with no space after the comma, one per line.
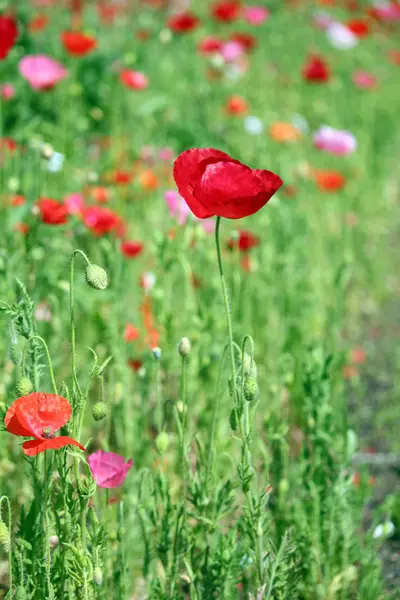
[162,442]
[157,353]
[283,486]
[184,347]
[24,386]
[5,539]
[233,420]
[99,411]
[96,277]
[47,151]
[54,540]
[250,388]
[97,576]
[249,366]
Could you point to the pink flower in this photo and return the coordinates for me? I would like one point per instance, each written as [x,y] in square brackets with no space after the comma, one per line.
[322,20]
[166,154]
[364,80]
[74,203]
[335,141]
[208,225]
[387,11]
[177,206]
[41,72]
[7,91]
[135,80]
[256,15]
[231,51]
[108,469]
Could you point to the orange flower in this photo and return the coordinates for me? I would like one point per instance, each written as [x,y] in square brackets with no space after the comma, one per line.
[236,105]
[153,337]
[148,180]
[284,132]
[100,194]
[329,181]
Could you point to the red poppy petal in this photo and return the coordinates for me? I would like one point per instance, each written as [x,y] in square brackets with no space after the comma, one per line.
[187,172]
[38,411]
[35,447]
[13,425]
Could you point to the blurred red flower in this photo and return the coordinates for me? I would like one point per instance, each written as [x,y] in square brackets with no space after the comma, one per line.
[183,22]
[8,35]
[246,40]
[101,220]
[245,241]
[52,212]
[316,69]
[213,183]
[236,105]
[78,44]
[135,80]
[122,177]
[40,415]
[209,45]
[226,11]
[329,181]
[131,249]
[38,23]
[360,27]
[131,333]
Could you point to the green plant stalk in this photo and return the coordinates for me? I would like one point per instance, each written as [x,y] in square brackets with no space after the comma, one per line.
[158,416]
[10,571]
[183,394]
[46,349]
[243,427]
[214,418]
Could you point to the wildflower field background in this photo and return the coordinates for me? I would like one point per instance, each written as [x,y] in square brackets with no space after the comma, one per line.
[199,363]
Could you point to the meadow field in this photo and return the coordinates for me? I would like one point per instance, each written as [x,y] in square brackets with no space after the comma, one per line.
[199,299]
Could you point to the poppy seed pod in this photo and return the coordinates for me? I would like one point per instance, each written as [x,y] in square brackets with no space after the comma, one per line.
[99,411]
[24,386]
[156,353]
[250,388]
[5,540]
[96,277]
[162,442]
[184,347]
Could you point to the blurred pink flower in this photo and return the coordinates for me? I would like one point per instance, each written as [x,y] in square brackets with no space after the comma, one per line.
[74,203]
[387,11]
[334,140]
[41,71]
[256,15]
[322,19]
[208,225]
[166,154]
[108,469]
[232,51]
[177,206]
[135,80]
[365,80]
[7,91]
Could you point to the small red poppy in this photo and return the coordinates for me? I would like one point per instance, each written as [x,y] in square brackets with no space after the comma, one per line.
[135,80]
[122,177]
[246,40]
[52,212]
[213,183]
[316,70]
[38,23]
[226,11]
[236,105]
[209,45]
[101,220]
[131,249]
[183,22]
[8,35]
[329,181]
[78,44]
[131,333]
[245,241]
[40,415]
[359,27]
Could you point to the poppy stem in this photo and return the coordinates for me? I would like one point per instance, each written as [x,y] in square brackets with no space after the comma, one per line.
[10,572]
[183,394]
[46,349]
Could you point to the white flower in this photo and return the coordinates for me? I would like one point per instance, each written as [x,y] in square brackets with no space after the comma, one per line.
[383,530]
[253,125]
[341,37]
[55,162]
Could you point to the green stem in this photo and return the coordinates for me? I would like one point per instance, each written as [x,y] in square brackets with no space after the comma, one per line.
[214,418]
[183,393]
[10,572]
[46,349]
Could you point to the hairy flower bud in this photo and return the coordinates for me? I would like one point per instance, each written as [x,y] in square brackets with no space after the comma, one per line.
[162,442]
[98,576]
[5,539]
[250,388]
[157,353]
[24,386]
[184,347]
[99,411]
[54,540]
[96,277]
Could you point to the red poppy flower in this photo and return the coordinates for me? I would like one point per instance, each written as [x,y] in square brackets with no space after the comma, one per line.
[38,23]
[131,249]
[135,80]
[213,183]
[52,212]
[101,220]
[226,11]
[359,27]
[131,333]
[316,70]
[236,105]
[183,22]
[8,35]
[78,44]
[135,364]
[40,415]
[122,177]
[209,45]
[329,181]
[246,40]
[245,241]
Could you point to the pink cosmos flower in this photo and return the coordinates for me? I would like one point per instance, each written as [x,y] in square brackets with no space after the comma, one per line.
[108,469]
[74,203]
[364,80]
[41,71]
[7,91]
[256,15]
[335,141]
[232,51]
